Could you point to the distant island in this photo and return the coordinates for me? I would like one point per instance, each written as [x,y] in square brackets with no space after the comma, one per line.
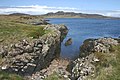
[61,14]
[18,14]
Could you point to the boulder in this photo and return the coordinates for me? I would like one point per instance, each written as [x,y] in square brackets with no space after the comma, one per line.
[68,42]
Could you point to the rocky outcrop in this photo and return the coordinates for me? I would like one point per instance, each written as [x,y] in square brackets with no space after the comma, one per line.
[84,66]
[63,29]
[97,45]
[29,56]
[68,42]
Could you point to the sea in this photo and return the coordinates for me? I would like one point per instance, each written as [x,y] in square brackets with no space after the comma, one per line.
[81,29]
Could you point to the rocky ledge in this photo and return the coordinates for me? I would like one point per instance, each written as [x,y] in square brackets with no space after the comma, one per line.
[27,57]
[84,67]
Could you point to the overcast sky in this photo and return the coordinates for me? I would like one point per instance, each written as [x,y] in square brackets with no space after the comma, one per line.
[105,7]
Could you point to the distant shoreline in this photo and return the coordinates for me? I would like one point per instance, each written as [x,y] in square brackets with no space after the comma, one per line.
[77,18]
[61,14]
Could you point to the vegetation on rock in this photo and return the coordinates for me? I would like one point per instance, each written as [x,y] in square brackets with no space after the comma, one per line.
[103,55]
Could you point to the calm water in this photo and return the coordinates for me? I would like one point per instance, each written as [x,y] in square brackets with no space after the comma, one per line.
[81,29]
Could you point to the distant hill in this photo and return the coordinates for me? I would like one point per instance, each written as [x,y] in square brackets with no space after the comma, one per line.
[18,14]
[61,14]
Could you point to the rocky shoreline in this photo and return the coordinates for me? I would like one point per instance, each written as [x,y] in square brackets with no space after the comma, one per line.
[38,59]
[85,67]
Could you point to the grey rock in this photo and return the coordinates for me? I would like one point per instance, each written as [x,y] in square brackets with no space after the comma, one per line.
[97,45]
[29,49]
[68,42]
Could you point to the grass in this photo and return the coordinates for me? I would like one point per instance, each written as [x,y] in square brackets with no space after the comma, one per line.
[9,76]
[109,66]
[54,76]
[116,66]
[11,31]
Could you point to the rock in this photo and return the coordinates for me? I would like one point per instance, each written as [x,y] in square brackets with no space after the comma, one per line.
[65,76]
[3,52]
[29,49]
[83,66]
[68,42]
[1,40]
[30,56]
[4,67]
[97,45]
[96,60]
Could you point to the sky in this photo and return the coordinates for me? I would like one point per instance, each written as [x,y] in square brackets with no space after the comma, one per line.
[104,7]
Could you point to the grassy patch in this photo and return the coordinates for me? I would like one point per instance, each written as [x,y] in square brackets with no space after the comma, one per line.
[109,66]
[9,76]
[54,76]
[116,65]
[11,30]
[36,32]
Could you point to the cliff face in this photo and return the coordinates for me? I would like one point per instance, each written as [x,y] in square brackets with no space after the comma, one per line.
[27,57]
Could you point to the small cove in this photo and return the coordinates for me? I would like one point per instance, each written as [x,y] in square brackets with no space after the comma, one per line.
[81,29]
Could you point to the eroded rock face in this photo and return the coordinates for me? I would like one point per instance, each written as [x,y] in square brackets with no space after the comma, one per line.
[27,57]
